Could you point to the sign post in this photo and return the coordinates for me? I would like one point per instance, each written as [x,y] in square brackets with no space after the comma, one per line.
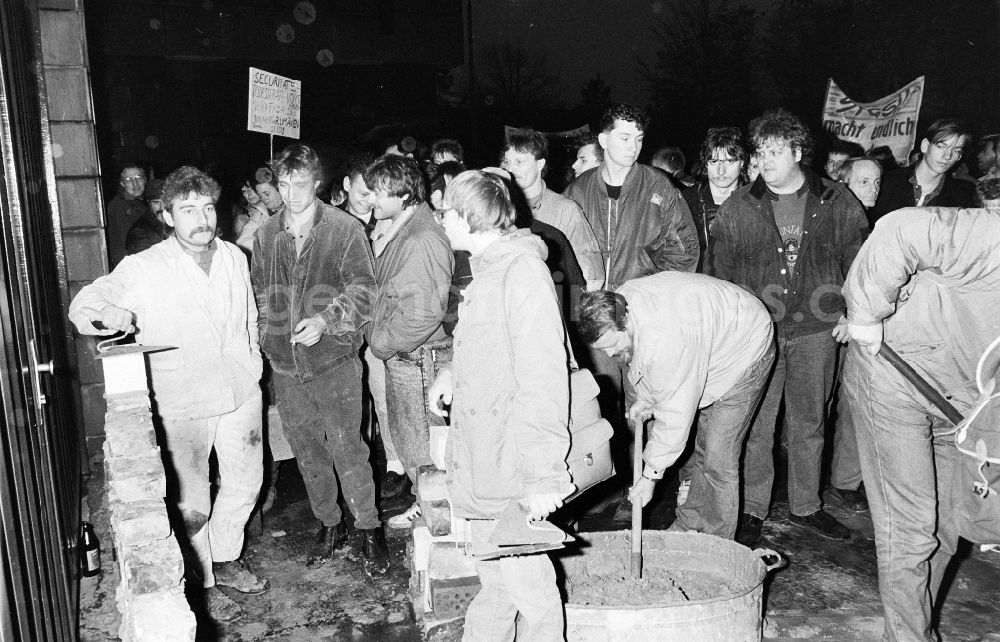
[891,121]
[274,105]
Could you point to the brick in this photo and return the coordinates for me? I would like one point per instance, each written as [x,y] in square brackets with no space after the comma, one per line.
[431,484]
[155,567]
[163,617]
[139,489]
[62,37]
[128,400]
[122,468]
[79,202]
[437,515]
[450,598]
[449,561]
[138,523]
[68,92]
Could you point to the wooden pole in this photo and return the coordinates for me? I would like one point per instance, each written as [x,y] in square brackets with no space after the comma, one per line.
[270,149]
[636,566]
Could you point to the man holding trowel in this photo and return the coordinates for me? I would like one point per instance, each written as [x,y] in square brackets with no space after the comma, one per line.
[927,281]
[192,291]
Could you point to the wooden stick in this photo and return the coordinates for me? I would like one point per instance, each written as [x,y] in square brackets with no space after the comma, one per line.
[636,566]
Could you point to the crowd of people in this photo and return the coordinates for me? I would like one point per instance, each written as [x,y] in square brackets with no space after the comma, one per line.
[705,299]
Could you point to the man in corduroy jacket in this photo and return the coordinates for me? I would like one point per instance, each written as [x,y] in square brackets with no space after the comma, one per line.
[789,238]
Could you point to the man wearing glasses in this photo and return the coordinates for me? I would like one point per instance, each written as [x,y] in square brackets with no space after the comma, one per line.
[124,210]
[790,238]
[928,181]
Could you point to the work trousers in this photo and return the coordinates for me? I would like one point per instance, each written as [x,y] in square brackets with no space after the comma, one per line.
[845,469]
[713,502]
[214,532]
[804,373]
[375,378]
[908,460]
[322,420]
[519,598]
[408,378]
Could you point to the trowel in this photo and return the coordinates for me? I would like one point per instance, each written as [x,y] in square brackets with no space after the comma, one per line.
[516,534]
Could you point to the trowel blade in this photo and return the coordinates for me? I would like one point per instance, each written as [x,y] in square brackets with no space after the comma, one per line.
[130,348]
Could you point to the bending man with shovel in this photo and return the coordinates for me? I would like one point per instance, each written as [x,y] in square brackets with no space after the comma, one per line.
[927,281]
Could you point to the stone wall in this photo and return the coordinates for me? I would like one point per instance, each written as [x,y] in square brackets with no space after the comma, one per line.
[151,594]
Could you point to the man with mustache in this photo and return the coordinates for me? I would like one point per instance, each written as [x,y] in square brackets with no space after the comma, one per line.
[193,291]
[690,341]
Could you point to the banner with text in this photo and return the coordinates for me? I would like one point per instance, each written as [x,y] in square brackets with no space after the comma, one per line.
[274,104]
[890,121]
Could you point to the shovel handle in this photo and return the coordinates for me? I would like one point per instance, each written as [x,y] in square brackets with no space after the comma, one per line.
[921,384]
[636,566]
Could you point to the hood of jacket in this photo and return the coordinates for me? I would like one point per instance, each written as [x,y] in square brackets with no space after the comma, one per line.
[508,247]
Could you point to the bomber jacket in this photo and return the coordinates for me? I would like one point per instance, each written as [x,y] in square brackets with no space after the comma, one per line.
[333,278]
[648,229]
[897,192]
[414,279]
[510,411]
[746,249]
[565,215]
[210,319]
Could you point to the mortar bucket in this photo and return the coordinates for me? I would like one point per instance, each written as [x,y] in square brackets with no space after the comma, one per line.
[695,588]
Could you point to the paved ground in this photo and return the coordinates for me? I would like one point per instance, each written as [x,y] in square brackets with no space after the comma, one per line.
[828,592]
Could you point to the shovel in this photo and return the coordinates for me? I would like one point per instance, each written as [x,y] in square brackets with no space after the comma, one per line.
[921,384]
[636,565]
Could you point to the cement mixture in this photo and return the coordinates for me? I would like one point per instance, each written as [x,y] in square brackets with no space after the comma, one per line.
[604,580]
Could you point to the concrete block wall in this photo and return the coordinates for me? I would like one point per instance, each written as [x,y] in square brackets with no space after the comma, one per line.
[150,597]
[80,211]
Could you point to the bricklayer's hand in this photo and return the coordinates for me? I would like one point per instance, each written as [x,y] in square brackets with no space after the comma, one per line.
[113,319]
[539,505]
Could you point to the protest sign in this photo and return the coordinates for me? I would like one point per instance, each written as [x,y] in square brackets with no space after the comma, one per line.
[274,104]
[569,134]
[890,121]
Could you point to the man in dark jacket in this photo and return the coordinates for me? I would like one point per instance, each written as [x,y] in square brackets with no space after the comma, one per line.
[413,268]
[723,161]
[124,210]
[790,238]
[927,182]
[642,225]
[314,280]
[150,228]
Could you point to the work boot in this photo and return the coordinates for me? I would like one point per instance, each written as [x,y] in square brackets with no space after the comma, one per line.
[220,607]
[329,540]
[749,530]
[823,523]
[393,484]
[854,500]
[602,504]
[623,514]
[237,575]
[375,552]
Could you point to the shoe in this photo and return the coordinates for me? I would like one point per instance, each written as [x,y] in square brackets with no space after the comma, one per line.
[602,504]
[623,514]
[749,530]
[682,492]
[328,541]
[375,552]
[237,575]
[854,500]
[393,484]
[405,520]
[220,607]
[823,523]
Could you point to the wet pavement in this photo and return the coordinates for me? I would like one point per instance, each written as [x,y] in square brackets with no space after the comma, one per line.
[828,591]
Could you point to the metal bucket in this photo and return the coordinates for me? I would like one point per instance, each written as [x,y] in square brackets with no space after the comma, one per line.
[696,588]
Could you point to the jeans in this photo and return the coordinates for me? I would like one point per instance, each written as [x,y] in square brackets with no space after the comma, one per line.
[322,420]
[518,596]
[713,502]
[804,373]
[375,378]
[408,377]
[236,439]
[845,469]
[907,460]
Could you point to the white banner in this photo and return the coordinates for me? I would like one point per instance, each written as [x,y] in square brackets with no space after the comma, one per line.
[274,104]
[890,121]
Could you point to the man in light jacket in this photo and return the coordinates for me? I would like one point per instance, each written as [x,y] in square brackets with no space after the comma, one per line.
[927,281]
[193,291]
[691,341]
[509,390]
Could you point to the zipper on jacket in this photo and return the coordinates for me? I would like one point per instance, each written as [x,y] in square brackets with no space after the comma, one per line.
[607,261]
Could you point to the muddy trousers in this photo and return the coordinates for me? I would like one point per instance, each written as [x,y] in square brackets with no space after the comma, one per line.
[214,532]
[519,598]
[908,462]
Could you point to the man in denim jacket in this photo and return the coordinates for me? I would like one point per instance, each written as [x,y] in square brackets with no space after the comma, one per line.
[314,282]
